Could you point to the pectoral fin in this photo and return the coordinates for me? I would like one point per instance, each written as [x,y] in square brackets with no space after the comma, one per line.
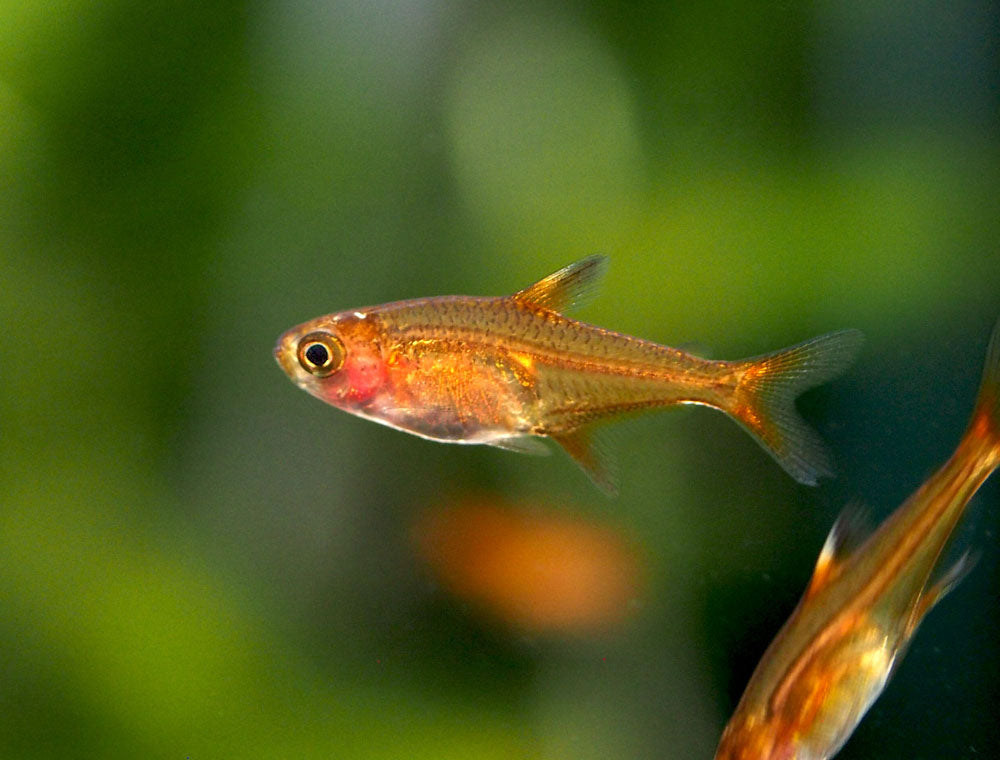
[592,458]
[523,445]
[568,287]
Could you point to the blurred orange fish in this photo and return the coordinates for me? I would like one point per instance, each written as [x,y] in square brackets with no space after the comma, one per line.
[540,570]
[865,600]
[504,371]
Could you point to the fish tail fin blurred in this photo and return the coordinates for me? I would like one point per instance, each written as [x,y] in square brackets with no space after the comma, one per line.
[985,423]
[764,400]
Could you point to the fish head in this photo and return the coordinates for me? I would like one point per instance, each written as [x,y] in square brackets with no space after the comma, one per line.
[337,358]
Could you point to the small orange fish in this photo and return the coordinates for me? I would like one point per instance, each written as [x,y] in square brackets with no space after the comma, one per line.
[504,371]
[849,632]
[537,568]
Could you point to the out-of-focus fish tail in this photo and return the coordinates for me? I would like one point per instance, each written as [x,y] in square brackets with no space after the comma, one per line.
[764,400]
[985,423]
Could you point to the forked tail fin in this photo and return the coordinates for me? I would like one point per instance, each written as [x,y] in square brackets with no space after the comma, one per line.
[764,400]
[985,422]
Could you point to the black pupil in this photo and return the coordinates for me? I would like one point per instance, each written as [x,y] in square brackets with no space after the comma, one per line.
[318,354]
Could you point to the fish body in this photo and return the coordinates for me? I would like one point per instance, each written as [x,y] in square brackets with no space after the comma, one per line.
[863,604]
[504,371]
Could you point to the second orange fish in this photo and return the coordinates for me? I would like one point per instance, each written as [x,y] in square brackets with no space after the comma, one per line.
[867,597]
[504,371]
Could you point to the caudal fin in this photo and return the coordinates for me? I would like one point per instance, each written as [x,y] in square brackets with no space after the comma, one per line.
[985,422]
[764,401]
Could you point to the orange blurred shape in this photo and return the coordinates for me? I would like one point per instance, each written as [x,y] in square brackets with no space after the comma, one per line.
[543,571]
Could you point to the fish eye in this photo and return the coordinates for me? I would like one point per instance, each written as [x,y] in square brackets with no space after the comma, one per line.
[321,354]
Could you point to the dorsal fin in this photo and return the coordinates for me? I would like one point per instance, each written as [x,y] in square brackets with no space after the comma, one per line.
[847,533]
[568,287]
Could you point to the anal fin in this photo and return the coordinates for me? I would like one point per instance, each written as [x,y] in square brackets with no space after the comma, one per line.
[592,457]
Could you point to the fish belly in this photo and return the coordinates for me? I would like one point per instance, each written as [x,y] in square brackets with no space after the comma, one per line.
[463,398]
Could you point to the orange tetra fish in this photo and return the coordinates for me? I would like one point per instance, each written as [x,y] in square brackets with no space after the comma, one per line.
[504,371]
[849,632]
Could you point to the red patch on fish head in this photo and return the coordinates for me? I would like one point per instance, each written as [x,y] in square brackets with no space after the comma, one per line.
[364,375]
[364,370]
[336,358]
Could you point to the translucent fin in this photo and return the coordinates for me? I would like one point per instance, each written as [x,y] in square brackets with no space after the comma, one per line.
[941,587]
[848,533]
[592,457]
[985,421]
[764,401]
[569,287]
[523,445]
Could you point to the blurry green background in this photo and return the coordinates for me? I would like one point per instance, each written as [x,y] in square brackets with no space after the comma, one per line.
[197,560]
